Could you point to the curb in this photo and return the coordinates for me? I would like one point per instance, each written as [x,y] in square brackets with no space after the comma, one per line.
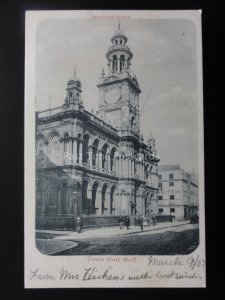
[153,229]
[76,244]
[72,245]
[80,237]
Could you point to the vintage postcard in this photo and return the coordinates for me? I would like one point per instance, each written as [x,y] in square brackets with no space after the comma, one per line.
[114,165]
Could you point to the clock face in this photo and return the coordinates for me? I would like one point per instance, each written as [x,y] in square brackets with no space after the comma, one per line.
[113,95]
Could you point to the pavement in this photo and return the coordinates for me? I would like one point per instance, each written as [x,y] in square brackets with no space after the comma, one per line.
[57,240]
[50,247]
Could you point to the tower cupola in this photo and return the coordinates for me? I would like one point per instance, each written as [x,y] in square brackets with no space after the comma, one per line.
[73,90]
[151,142]
[119,54]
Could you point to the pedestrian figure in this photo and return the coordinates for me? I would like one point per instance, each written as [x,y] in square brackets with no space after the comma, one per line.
[137,221]
[120,220]
[78,224]
[127,222]
[141,222]
[153,219]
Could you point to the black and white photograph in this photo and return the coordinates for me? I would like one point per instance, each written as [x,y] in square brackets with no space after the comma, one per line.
[114,135]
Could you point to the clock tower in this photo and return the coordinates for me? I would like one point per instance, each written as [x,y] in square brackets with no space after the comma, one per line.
[119,90]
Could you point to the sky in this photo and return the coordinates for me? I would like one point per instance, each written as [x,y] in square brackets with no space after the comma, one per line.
[164,62]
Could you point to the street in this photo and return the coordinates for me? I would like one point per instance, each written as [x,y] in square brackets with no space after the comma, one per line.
[175,240]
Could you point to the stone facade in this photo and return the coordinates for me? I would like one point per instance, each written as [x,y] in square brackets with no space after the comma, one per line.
[96,164]
[178,192]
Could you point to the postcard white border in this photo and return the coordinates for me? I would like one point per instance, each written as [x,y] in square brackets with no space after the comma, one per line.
[76,264]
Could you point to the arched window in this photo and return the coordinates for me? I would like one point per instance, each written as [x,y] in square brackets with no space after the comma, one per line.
[52,192]
[113,159]
[114,63]
[112,195]
[104,198]
[78,146]
[94,196]
[95,152]
[122,59]
[85,148]
[85,200]
[55,150]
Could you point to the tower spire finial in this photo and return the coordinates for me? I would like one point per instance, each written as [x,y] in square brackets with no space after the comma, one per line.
[119,24]
[75,70]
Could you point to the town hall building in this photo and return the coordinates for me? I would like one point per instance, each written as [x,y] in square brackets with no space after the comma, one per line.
[96,166]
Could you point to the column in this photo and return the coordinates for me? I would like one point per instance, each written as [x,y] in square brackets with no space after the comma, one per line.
[66,152]
[107,203]
[139,163]
[141,168]
[42,195]
[109,162]
[59,203]
[113,162]
[116,162]
[100,160]
[143,171]
[118,64]
[80,152]
[74,151]
[70,152]
[125,64]
[98,202]
[130,167]
[137,167]
[62,152]
[111,66]
[122,167]
[127,167]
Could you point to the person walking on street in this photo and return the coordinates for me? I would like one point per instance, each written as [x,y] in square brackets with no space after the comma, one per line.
[127,222]
[120,220]
[153,219]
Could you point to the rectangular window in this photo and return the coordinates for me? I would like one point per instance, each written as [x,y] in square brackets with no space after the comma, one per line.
[171,183]
[170,176]
[172,197]
[160,197]
[160,210]
[160,177]
[160,185]
[172,210]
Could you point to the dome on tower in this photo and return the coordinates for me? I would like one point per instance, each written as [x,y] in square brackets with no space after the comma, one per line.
[74,80]
[151,141]
[119,34]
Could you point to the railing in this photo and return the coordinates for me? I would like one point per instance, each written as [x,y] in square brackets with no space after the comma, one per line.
[55,223]
[99,221]
[49,112]
[69,222]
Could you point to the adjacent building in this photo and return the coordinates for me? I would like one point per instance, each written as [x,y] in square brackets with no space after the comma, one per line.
[178,192]
[96,165]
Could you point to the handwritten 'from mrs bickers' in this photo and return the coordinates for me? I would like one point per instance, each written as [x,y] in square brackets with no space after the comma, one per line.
[156,268]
